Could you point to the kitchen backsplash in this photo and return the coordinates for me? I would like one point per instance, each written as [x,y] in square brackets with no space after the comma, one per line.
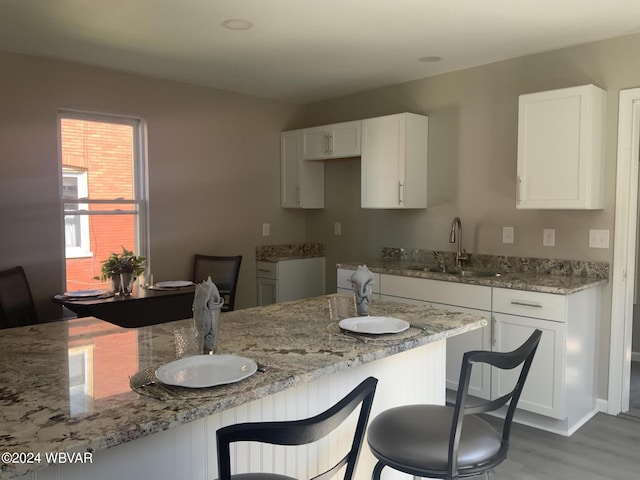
[502,263]
[273,253]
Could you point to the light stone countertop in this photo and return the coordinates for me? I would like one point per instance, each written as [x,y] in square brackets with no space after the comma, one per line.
[516,280]
[45,408]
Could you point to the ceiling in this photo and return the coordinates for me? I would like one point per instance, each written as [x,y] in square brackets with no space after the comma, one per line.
[304,50]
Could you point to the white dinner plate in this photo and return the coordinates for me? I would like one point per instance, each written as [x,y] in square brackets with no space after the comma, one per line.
[202,371]
[374,325]
[86,293]
[174,284]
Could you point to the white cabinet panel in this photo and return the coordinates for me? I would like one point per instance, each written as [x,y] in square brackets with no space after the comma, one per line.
[561,149]
[530,304]
[544,390]
[290,280]
[331,141]
[301,183]
[394,161]
[451,293]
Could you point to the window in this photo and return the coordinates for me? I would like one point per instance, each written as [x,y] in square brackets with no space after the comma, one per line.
[76,227]
[103,191]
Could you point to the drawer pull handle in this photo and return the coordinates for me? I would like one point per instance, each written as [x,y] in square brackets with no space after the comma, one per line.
[526,304]
[264,270]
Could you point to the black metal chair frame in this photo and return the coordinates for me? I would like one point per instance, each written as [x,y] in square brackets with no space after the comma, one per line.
[507,361]
[22,312]
[226,289]
[302,432]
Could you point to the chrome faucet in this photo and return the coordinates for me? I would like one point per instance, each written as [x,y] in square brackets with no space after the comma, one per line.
[456,236]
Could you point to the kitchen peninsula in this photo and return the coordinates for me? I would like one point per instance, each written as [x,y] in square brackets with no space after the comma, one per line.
[64,387]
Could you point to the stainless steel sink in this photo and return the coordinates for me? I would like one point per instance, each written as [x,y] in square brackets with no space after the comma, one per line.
[457,271]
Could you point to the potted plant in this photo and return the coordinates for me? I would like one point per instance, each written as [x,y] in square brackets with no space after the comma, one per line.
[122,269]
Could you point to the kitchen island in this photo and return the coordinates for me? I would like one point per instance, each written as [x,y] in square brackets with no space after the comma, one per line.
[64,388]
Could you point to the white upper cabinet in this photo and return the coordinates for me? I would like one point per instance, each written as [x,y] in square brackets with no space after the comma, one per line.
[394,161]
[301,182]
[561,150]
[331,141]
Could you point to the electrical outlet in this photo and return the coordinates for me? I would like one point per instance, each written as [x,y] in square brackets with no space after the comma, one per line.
[548,237]
[337,228]
[599,238]
[266,229]
[507,234]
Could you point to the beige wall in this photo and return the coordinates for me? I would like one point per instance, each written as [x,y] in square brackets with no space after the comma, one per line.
[213,169]
[472,163]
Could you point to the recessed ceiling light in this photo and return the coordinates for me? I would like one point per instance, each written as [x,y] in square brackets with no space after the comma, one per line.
[430,59]
[237,24]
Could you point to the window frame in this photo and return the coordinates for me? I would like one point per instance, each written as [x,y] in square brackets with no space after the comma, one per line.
[139,203]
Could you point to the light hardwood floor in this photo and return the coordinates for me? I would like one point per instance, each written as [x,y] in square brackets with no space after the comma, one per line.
[606,448]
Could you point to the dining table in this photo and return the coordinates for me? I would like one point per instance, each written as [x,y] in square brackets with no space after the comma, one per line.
[144,306]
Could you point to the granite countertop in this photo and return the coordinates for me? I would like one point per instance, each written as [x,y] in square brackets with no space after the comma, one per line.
[289,251]
[532,280]
[64,386]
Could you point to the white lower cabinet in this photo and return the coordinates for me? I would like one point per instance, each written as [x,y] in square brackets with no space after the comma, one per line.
[543,391]
[561,383]
[289,279]
[560,393]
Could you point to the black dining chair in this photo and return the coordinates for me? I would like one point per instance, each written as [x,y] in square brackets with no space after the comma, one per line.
[451,442]
[224,272]
[16,303]
[301,432]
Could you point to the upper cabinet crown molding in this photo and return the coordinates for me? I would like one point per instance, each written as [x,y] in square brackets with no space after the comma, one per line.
[339,140]
[561,149]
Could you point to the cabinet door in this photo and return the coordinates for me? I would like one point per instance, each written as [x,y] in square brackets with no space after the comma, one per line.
[560,149]
[331,141]
[301,182]
[544,389]
[290,194]
[382,174]
[394,161]
[267,291]
[315,143]
[344,140]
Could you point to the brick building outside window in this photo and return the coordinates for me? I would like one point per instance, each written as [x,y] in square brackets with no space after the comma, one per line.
[102,166]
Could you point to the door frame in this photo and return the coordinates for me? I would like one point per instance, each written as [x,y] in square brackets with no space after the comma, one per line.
[624,254]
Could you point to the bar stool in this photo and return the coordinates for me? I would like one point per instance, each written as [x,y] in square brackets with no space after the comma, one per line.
[301,432]
[431,440]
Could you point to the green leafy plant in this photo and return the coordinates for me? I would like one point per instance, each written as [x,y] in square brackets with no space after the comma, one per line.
[125,262]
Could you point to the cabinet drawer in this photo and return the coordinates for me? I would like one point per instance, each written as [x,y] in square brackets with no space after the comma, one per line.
[530,304]
[450,293]
[267,269]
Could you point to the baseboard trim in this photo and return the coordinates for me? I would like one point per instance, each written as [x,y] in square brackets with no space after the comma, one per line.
[602,405]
